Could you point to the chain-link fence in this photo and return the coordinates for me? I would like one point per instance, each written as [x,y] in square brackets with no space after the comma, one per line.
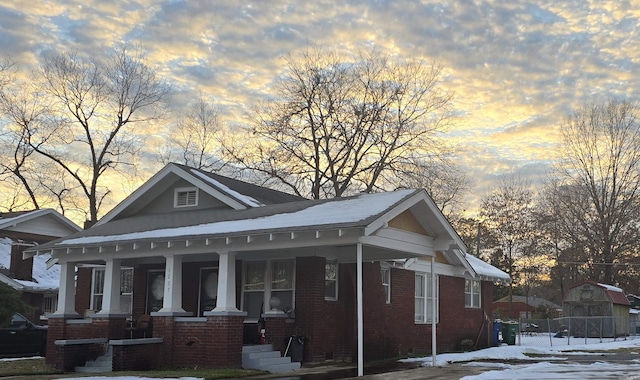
[572,331]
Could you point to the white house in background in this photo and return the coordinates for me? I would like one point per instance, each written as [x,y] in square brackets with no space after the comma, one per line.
[20,230]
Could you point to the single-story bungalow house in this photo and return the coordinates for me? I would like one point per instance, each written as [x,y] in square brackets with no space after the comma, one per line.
[523,307]
[37,285]
[596,310]
[222,266]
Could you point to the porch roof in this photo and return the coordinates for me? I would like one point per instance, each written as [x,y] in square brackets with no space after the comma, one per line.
[356,212]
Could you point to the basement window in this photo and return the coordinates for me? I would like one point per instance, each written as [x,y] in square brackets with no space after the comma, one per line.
[185,197]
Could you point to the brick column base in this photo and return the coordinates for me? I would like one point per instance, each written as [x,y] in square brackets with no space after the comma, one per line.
[278,329]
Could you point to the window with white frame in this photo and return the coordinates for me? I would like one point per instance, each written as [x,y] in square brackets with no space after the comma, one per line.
[423,298]
[126,289]
[267,286]
[472,293]
[331,280]
[185,197]
[385,272]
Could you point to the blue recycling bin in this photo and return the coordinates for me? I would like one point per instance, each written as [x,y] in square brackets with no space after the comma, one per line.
[497,328]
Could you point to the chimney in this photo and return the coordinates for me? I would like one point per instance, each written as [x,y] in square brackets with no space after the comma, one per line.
[21,269]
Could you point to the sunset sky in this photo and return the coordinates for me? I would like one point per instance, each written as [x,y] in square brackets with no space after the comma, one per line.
[517,68]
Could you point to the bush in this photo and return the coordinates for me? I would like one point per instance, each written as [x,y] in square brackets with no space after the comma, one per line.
[11,303]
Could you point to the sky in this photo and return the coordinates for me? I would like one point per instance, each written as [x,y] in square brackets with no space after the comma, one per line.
[535,359]
[517,69]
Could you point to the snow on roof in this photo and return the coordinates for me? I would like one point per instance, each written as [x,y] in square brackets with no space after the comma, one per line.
[249,201]
[485,269]
[45,279]
[611,288]
[339,210]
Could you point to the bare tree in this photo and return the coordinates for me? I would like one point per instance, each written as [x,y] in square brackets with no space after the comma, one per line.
[508,212]
[195,141]
[599,175]
[93,107]
[337,124]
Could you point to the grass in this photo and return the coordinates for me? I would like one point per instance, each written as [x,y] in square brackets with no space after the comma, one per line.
[37,367]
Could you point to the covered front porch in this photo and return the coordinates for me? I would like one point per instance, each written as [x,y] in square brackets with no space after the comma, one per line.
[206,295]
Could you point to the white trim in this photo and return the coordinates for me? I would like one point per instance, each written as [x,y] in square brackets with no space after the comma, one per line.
[186,191]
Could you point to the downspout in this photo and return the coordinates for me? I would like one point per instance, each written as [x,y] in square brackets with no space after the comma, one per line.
[433,310]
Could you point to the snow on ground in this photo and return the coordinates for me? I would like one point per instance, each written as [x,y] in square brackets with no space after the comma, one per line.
[549,366]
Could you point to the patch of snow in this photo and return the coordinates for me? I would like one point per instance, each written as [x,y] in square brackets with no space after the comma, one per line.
[241,197]
[611,287]
[45,279]
[337,211]
[485,269]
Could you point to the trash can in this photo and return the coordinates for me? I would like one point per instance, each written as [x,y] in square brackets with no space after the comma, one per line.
[497,327]
[295,348]
[509,332]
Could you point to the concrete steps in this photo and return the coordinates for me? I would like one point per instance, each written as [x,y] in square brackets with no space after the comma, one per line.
[102,364]
[263,357]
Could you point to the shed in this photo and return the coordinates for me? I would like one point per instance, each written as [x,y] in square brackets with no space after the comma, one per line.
[596,310]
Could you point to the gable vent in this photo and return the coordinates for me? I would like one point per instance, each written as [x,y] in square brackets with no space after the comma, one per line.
[185,197]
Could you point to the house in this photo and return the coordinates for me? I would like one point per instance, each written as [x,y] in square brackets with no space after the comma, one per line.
[596,310]
[222,265]
[525,307]
[37,285]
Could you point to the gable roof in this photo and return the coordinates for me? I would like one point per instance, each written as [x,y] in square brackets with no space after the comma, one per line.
[42,222]
[238,195]
[532,301]
[615,294]
[335,213]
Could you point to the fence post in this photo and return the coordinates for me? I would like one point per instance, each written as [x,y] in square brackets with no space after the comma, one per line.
[549,331]
[586,321]
[569,333]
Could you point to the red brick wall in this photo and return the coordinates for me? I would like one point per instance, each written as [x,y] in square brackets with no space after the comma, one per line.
[21,269]
[83,290]
[140,357]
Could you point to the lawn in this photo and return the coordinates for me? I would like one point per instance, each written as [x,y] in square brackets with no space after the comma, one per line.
[37,367]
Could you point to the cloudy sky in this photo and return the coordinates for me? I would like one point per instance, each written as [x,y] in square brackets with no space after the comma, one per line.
[517,68]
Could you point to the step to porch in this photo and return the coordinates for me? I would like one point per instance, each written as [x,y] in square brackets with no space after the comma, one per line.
[102,364]
[263,357]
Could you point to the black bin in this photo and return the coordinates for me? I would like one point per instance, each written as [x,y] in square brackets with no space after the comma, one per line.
[295,348]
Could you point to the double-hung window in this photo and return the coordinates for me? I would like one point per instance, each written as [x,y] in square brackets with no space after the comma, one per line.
[385,272]
[472,293]
[267,286]
[126,289]
[423,299]
[331,280]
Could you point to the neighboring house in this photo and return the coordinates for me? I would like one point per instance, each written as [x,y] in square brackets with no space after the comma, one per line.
[37,284]
[524,307]
[596,310]
[220,264]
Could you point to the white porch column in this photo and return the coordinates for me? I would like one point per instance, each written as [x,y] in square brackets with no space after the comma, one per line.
[111,295]
[67,291]
[172,301]
[226,301]
[433,311]
[360,311]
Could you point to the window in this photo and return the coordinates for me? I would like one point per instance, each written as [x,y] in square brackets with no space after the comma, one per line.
[472,293]
[331,280]
[126,289]
[423,307]
[265,281]
[49,303]
[386,282]
[185,197]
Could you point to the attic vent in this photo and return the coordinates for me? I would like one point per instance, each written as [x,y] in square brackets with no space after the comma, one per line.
[185,197]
